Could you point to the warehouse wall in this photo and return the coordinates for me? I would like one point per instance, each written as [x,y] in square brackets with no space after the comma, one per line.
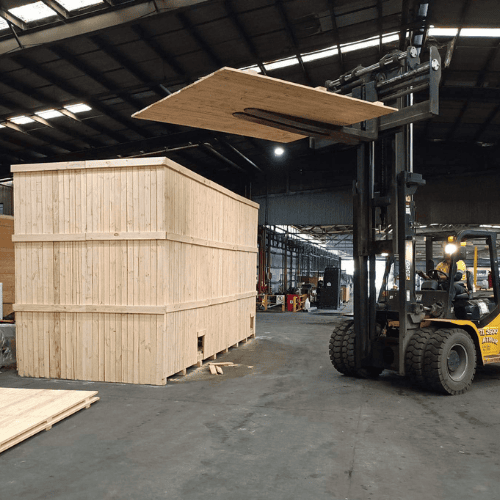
[456,199]
[6,205]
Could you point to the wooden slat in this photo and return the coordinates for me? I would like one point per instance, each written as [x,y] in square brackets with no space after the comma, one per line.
[25,412]
[210,103]
[137,164]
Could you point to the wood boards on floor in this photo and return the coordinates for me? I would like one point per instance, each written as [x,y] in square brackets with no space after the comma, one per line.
[25,412]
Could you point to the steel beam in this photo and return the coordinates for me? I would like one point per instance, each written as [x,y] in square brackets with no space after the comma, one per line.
[244,35]
[69,88]
[126,63]
[161,52]
[336,36]
[99,21]
[293,40]
[199,39]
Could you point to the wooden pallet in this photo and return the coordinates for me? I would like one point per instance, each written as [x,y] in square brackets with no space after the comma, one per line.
[211,103]
[25,412]
[210,359]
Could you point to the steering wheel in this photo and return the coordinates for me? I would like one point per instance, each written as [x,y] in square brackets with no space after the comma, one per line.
[434,274]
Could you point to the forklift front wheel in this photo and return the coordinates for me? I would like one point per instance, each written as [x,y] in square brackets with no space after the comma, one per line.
[450,361]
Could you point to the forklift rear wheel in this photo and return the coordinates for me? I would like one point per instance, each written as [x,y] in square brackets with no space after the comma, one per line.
[450,361]
[414,356]
[336,346]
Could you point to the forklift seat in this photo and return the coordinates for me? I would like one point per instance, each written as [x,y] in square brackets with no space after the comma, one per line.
[429,285]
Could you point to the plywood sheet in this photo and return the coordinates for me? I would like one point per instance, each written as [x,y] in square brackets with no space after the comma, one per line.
[25,412]
[211,102]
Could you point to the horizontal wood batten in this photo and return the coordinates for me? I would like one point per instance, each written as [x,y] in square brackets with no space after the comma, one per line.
[106,309]
[100,309]
[124,236]
[131,163]
[209,302]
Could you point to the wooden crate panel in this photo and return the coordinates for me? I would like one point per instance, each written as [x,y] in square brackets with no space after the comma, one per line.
[25,412]
[121,263]
[91,346]
[210,103]
[7,262]
[92,272]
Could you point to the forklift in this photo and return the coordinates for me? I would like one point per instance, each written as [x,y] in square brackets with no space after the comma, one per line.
[438,334]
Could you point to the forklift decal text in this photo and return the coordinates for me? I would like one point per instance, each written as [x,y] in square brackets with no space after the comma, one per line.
[489,340]
[488,331]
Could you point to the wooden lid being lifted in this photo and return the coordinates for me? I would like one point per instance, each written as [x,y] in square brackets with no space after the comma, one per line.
[211,103]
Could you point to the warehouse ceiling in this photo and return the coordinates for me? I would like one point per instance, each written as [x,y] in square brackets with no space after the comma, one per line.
[74,71]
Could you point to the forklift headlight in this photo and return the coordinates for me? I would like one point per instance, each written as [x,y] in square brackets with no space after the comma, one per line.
[450,248]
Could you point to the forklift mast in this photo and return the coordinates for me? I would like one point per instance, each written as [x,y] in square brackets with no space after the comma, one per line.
[384,210]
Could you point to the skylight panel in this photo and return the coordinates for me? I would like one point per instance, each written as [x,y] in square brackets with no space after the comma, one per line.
[3,24]
[251,68]
[78,108]
[50,113]
[371,42]
[442,31]
[32,12]
[21,120]
[480,32]
[283,63]
[78,4]
[321,54]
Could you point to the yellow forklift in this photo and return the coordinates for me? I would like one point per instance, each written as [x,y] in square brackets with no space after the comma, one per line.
[436,334]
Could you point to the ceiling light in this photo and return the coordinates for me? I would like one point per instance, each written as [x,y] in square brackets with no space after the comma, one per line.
[50,113]
[78,108]
[278,151]
[78,4]
[21,120]
[32,12]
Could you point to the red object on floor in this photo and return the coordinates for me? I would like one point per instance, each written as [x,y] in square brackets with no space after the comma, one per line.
[289,301]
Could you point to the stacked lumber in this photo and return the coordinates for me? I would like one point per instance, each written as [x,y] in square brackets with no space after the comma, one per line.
[25,412]
[7,277]
[129,270]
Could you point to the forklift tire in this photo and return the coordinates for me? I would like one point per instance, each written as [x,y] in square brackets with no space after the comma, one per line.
[414,356]
[450,361]
[336,346]
[350,358]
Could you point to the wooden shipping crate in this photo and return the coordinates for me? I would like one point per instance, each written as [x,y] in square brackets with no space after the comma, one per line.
[7,262]
[129,270]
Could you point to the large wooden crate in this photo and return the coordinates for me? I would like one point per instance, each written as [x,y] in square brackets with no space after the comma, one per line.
[129,270]
[7,262]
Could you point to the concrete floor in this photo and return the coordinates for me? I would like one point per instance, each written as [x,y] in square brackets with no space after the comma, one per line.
[289,428]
